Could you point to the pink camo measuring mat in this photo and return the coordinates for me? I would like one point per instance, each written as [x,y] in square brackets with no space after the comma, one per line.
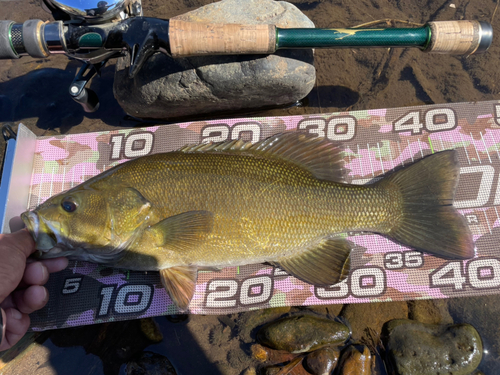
[375,141]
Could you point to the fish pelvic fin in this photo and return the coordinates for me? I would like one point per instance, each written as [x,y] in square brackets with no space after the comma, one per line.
[183,231]
[180,283]
[326,263]
[428,221]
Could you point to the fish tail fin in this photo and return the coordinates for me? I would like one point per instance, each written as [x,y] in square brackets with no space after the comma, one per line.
[428,221]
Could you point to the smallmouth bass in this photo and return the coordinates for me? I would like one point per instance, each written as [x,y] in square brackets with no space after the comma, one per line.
[281,201]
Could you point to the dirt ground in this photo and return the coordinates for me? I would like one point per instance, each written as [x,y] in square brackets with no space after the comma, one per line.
[34,92]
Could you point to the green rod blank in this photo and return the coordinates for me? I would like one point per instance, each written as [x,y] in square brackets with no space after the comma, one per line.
[337,38]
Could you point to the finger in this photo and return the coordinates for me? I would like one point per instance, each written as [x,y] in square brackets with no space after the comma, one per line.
[20,241]
[56,264]
[3,323]
[35,274]
[8,303]
[31,299]
[16,326]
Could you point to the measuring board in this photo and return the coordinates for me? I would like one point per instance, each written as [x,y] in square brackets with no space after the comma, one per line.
[375,142]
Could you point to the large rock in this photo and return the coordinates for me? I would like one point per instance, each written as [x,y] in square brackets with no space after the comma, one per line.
[173,88]
[482,312]
[149,363]
[415,348]
[302,333]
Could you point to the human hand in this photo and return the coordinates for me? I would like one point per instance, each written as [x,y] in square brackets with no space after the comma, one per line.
[21,280]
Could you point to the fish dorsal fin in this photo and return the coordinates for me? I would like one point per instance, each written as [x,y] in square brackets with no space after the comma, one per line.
[320,156]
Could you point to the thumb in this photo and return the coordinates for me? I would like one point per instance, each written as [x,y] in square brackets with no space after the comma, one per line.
[21,241]
[14,249]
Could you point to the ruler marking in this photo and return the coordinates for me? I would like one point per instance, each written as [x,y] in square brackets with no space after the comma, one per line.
[390,154]
[495,143]
[430,144]
[420,147]
[73,177]
[31,191]
[64,178]
[51,181]
[40,190]
[486,148]
[401,154]
[487,221]
[360,162]
[380,156]
[370,159]
[411,152]
[465,148]
[477,152]
[441,140]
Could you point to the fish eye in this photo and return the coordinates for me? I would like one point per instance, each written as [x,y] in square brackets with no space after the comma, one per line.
[68,205]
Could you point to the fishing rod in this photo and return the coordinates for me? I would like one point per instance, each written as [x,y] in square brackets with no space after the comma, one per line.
[96,32]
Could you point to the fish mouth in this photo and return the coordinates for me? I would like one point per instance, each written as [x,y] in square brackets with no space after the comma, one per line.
[46,241]
[32,222]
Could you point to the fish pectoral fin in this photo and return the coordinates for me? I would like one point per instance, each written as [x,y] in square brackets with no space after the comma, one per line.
[180,283]
[183,231]
[326,263]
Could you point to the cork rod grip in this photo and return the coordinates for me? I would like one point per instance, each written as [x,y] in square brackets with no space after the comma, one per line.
[455,37]
[195,39]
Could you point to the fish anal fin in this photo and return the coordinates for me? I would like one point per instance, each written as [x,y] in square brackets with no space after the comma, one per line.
[319,156]
[326,263]
[180,283]
[183,231]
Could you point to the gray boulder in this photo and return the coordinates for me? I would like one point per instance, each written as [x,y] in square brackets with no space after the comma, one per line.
[169,88]
[415,348]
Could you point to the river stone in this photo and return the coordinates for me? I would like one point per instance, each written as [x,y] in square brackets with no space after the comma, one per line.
[299,334]
[356,361]
[149,363]
[150,329]
[426,349]
[264,354]
[172,88]
[322,361]
[482,312]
